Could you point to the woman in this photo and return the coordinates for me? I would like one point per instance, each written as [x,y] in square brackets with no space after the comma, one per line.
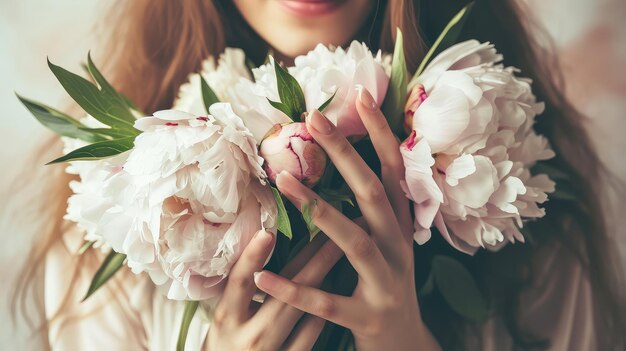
[558,292]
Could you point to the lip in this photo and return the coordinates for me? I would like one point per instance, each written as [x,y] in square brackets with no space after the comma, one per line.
[307,8]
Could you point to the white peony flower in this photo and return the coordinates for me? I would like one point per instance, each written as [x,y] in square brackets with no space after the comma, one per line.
[221,76]
[471,123]
[85,205]
[292,149]
[187,200]
[320,73]
[323,71]
[249,100]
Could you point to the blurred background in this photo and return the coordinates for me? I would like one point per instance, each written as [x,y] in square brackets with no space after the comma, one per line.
[589,35]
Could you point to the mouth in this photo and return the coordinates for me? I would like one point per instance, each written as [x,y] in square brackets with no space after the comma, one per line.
[308,8]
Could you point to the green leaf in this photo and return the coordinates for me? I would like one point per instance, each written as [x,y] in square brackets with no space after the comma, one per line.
[337,196]
[290,92]
[98,150]
[118,104]
[459,289]
[307,215]
[85,247]
[58,121]
[190,311]
[208,95]
[428,287]
[110,133]
[283,222]
[327,102]
[112,263]
[91,99]
[393,106]
[447,38]
[133,106]
[281,107]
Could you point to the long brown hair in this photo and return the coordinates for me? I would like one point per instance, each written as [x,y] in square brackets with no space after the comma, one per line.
[157,43]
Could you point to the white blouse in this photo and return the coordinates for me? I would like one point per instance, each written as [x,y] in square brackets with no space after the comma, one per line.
[140,318]
[558,307]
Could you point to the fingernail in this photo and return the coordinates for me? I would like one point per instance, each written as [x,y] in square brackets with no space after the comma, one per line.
[320,123]
[288,185]
[257,277]
[366,98]
[263,236]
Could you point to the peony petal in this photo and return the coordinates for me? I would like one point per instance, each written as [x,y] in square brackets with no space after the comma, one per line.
[454,241]
[173,115]
[460,56]
[442,117]
[460,168]
[420,185]
[421,235]
[475,190]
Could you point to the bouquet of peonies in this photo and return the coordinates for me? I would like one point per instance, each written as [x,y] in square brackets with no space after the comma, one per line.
[178,194]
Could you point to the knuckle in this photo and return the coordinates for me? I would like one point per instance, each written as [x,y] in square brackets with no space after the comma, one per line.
[380,123]
[321,210]
[258,257]
[374,192]
[240,282]
[325,307]
[253,343]
[391,302]
[219,317]
[374,327]
[290,293]
[364,248]
[343,147]
[392,165]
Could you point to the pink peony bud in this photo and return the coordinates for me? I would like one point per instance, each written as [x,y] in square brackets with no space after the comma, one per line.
[413,102]
[291,148]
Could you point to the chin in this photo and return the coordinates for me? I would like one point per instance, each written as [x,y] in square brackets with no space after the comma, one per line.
[292,44]
[293,27]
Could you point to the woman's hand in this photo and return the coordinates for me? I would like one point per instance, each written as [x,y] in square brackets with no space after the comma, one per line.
[383,312]
[240,324]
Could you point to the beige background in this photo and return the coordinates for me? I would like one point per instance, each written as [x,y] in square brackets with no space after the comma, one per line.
[588,33]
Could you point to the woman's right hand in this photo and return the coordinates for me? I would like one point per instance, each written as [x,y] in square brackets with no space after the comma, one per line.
[241,324]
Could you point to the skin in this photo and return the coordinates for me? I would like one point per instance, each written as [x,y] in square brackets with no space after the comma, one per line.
[383,312]
[291,35]
[241,324]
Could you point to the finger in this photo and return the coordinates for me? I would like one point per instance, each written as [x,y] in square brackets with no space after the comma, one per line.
[334,308]
[304,336]
[304,256]
[313,273]
[284,316]
[388,151]
[235,302]
[359,248]
[367,188]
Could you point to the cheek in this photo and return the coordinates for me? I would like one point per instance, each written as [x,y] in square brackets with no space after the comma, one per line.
[257,13]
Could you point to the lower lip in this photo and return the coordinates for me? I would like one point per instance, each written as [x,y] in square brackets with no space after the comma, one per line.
[307,8]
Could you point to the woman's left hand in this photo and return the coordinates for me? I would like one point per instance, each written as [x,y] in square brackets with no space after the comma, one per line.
[383,312]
